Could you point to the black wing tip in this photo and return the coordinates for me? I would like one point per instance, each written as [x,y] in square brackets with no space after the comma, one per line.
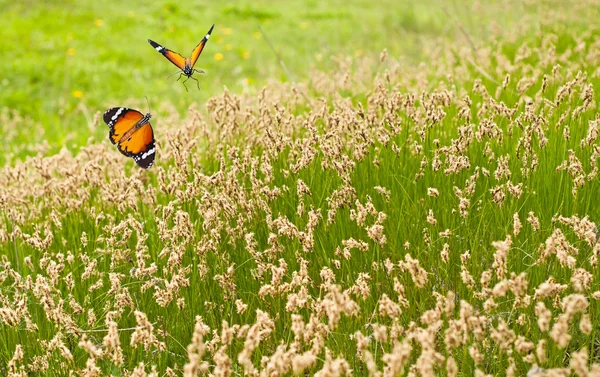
[106,118]
[152,43]
[211,29]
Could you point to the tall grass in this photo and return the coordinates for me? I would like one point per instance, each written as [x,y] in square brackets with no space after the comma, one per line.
[375,219]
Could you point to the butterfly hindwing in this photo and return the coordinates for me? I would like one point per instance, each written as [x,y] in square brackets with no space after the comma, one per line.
[140,145]
[145,159]
[198,50]
[173,57]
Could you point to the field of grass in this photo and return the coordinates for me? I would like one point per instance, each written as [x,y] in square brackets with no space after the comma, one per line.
[425,210]
[63,61]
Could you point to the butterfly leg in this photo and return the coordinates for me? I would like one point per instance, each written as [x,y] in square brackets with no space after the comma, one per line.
[197,82]
[199,71]
[186,89]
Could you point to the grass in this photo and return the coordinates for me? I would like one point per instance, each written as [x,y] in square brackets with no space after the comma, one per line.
[219,168]
[64,61]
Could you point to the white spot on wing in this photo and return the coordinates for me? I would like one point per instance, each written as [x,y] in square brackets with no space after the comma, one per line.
[114,117]
[139,158]
[207,36]
[147,154]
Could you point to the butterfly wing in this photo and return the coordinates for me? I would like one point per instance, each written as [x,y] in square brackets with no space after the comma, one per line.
[138,144]
[173,57]
[120,120]
[198,50]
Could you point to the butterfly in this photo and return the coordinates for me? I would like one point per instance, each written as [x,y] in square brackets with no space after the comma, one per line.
[132,132]
[186,65]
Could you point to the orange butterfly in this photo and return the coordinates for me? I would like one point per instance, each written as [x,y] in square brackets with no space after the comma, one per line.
[185,64]
[132,132]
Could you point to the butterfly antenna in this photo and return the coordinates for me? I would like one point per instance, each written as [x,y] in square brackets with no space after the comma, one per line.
[147,103]
[173,74]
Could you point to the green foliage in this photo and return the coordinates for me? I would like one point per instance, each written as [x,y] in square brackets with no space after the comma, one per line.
[111,64]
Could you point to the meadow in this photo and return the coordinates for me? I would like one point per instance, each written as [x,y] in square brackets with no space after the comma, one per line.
[401,189]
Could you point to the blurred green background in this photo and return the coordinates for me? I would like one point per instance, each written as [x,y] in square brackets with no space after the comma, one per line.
[62,61]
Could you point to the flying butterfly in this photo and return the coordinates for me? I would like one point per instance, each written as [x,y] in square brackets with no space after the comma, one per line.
[186,65]
[132,132]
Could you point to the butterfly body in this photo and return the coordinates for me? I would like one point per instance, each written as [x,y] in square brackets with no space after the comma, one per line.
[132,132]
[186,65]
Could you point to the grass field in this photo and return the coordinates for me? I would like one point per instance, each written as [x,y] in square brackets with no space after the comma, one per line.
[65,60]
[425,210]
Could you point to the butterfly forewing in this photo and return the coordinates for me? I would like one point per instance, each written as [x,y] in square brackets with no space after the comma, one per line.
[198,50]
[173,57]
